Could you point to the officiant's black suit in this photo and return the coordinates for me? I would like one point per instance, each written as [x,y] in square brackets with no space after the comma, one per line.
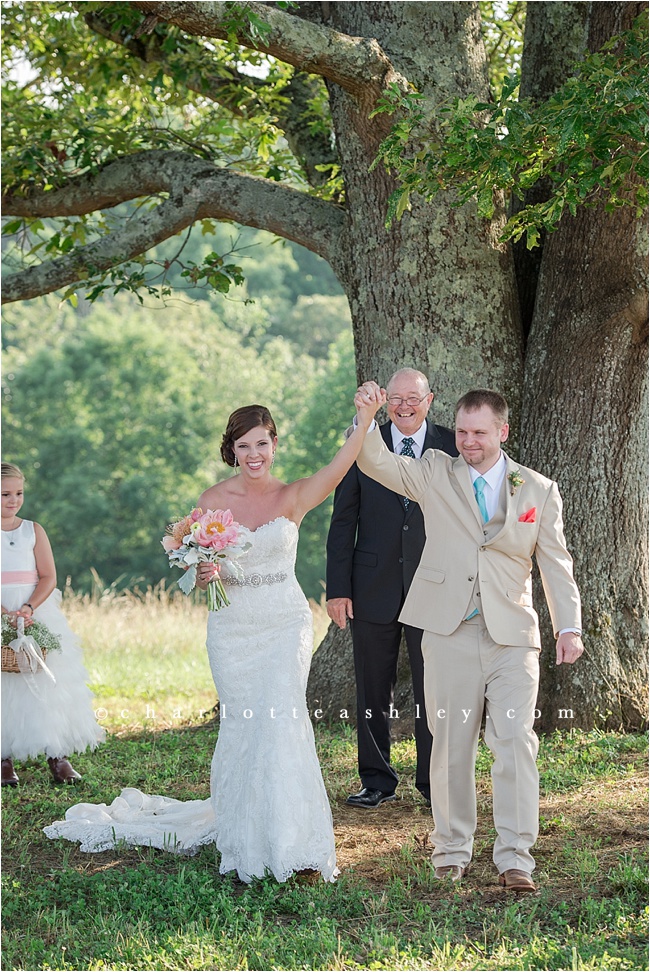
[373,549]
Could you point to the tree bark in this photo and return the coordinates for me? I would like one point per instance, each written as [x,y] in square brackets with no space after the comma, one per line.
[555,37]
[584,423]
[356,63]
[435,292]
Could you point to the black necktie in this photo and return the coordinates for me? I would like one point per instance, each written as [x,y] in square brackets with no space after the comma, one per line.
[407,450]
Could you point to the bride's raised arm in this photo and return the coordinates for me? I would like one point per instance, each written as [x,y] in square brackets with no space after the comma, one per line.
[312,490]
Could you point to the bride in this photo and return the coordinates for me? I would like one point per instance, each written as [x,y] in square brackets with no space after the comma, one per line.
[268,811]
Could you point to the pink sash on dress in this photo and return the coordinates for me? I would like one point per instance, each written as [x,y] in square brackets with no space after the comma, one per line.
[20,577]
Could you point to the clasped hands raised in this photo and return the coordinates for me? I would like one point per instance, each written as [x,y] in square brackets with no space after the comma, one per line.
[367,401]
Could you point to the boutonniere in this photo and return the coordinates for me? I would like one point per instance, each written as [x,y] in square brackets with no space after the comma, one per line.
[515,480]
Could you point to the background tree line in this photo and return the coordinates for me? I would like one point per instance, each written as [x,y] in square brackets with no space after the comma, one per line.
[115,410]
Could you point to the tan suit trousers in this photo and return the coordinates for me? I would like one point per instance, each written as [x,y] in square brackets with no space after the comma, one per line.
[465,672]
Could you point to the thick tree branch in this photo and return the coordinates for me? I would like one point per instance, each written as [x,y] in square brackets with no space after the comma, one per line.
[234,91]
[310,148]
[356,64]
[196,190]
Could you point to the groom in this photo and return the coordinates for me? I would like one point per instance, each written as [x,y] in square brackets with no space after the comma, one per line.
[472,595]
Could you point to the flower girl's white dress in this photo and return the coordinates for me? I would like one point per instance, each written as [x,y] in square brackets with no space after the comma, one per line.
[268,811]
[38,716]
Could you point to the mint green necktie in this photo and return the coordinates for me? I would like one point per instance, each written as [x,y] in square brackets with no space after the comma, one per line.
[479,489]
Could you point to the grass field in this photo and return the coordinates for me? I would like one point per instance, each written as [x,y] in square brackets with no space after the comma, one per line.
[144,909]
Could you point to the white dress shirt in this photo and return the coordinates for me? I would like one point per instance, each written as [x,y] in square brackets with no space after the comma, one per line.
[418,439]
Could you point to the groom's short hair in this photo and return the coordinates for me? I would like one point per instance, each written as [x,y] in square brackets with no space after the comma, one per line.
[478,397]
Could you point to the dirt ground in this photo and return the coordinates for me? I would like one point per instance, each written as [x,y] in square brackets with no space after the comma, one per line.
[608,818]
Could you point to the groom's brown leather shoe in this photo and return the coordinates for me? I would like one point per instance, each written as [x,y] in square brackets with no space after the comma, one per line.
[516,880]
[9,777]
[450,872]
[61,770]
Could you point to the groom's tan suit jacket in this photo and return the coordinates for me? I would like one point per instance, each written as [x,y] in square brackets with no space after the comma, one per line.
[467,564]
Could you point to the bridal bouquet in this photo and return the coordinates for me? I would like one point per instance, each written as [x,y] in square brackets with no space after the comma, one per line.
[204,537]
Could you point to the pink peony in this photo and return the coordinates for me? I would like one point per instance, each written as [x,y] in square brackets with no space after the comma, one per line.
[215,530]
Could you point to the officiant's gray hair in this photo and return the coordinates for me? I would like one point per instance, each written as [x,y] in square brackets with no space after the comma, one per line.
[241,421]
[410,373]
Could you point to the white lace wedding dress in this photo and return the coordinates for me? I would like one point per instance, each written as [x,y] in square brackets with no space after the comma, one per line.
[268,811]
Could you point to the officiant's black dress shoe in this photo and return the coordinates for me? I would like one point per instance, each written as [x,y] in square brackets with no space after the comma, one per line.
[367,799]
[426,796]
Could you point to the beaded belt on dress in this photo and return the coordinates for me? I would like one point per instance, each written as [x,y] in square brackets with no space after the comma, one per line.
[255,580]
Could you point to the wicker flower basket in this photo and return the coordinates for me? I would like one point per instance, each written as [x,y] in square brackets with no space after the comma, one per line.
[46,640]
[10,663]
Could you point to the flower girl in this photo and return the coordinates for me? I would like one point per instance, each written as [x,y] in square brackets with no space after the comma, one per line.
[40,715]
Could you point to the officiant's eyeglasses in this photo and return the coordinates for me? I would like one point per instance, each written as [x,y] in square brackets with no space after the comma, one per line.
[411,400]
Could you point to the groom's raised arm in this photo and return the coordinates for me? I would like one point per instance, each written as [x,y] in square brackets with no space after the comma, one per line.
[406,476]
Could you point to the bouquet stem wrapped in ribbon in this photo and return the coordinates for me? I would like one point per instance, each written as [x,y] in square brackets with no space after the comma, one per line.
[199,537]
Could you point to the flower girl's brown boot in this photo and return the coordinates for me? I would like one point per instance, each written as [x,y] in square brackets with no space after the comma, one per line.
[61,770]
[9,777]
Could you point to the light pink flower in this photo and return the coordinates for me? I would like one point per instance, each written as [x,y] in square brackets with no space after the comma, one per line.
[169,543]
[215,530]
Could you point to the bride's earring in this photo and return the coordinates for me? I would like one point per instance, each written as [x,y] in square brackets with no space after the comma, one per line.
[272,460]
[236,463]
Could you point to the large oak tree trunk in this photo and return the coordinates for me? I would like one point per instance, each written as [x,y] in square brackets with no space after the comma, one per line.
[584,423]
[555,36]
[435,292]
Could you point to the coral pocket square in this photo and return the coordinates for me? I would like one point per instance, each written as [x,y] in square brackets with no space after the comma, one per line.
[529,515]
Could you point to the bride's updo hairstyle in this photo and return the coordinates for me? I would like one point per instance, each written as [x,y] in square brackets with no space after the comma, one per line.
[242,421]
[11,471]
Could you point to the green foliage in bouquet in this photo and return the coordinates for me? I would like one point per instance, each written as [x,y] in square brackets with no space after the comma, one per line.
[44,638]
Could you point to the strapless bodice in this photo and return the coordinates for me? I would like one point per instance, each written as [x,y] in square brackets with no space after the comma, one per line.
[272,551]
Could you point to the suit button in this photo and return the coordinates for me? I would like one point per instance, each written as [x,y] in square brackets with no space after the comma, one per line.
[401,560]
[485,533]
[405,527]
[470,578]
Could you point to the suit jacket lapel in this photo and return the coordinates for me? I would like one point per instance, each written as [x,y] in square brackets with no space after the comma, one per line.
[432,439]
[511,504]
[464,480]
[387,435]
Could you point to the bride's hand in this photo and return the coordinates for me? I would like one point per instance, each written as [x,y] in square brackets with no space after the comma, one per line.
[205,573]
[368,400]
